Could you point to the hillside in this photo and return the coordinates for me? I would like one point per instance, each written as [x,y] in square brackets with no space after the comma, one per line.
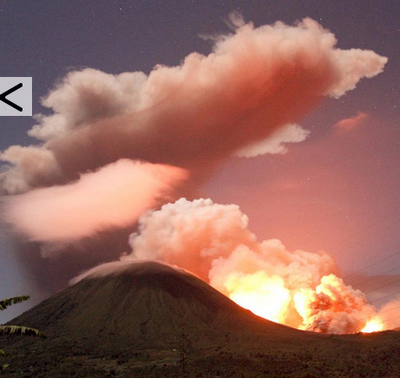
[150,319]
[144,304]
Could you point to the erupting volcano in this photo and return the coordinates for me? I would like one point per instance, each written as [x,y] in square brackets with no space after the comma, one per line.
[122,153]
[296,288]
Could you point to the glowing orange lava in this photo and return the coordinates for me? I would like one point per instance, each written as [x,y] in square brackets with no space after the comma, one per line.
[374,325]
[264,296]
[329,307]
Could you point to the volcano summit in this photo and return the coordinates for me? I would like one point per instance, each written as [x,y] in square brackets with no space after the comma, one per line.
[146,304]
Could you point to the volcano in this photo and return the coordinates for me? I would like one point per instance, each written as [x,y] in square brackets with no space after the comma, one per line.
[147,319]
[146,304]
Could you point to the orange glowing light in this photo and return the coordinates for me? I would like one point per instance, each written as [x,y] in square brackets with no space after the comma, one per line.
[263,295]
[307,308]
[374,325]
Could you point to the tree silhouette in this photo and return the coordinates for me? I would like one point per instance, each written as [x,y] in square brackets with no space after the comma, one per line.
[13,329]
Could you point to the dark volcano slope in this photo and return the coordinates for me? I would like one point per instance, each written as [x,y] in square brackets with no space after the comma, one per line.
[152,320]
[148,304]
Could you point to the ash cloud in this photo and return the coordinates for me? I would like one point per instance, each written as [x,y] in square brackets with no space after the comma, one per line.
[255,81]
[298,288]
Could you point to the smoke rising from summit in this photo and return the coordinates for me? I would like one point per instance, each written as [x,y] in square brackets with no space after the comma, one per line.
[255,83]
[298,288]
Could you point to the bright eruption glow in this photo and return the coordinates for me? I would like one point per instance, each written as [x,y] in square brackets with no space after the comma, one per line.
[374,325]
[296,288]
[264,296]
[330,307]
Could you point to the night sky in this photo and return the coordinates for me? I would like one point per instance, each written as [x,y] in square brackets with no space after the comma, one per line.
[337,191]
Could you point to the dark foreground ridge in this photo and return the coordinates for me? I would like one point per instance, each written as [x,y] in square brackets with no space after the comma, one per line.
[151,320]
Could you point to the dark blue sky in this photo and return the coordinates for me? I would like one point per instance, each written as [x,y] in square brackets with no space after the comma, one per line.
[46,39]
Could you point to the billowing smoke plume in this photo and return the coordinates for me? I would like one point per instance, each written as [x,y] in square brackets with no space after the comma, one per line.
[254,82]
[191,234]
[297,288]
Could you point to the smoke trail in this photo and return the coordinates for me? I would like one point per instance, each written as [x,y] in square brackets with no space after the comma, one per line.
[253,83]
[92,204]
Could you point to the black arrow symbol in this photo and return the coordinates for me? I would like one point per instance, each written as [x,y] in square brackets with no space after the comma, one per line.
[8,102]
